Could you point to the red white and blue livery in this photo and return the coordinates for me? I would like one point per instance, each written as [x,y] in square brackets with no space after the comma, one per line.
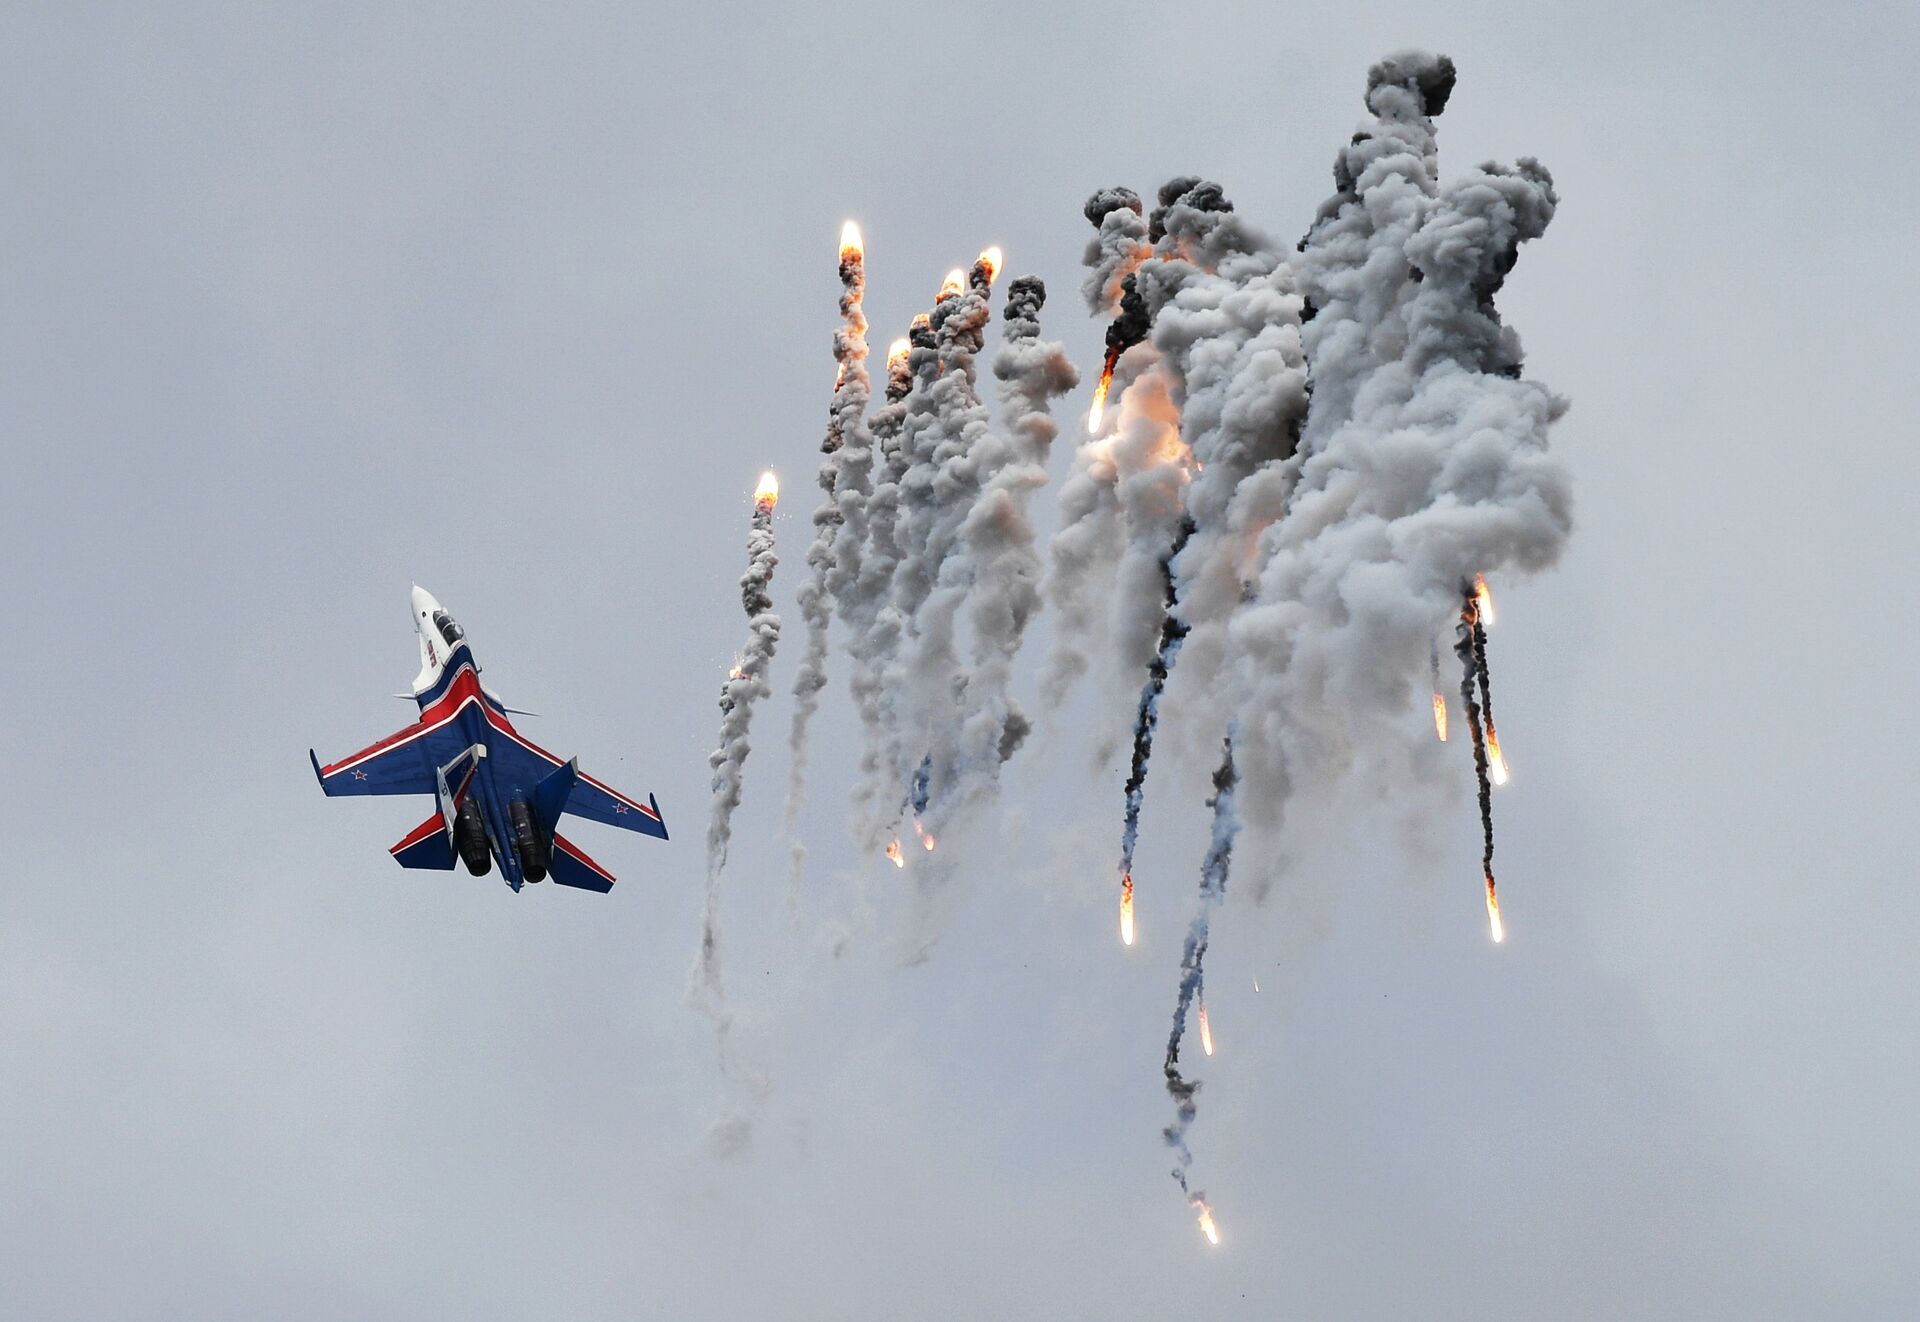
[497,795]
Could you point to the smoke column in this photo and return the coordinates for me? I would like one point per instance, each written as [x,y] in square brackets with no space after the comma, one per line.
[996,567]
[745,685]
[844,418]
[941,481]
[1213,887]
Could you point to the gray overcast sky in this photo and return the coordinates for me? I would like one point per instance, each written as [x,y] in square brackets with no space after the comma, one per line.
[302,303]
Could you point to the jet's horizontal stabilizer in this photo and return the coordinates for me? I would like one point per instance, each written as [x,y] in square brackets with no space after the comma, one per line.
[428,845]
[570,866]
[550,795]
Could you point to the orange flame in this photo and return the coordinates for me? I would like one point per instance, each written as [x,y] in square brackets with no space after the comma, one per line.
[1493,913]
[922,320]
[897,350]
[1206,1031]
[953,286]
[1207,1228]
[1126,909]
[1099,400]
[926,836]
[736,670]
[1483,599]
[994,260]
[1440,715]
[893,852]
[1496,763]
[767,494]
[851,245]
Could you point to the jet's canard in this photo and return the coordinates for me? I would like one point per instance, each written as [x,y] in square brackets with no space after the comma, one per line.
[497,795]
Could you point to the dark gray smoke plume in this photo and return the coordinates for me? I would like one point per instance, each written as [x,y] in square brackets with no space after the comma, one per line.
[1213,887]
[1470,648]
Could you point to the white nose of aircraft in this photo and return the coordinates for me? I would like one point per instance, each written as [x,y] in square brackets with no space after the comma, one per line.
[423,606]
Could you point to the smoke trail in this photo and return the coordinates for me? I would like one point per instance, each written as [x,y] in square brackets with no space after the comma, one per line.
[1470,644]
[1173,632]
[1496,760]
[851,390]
[706,988]
[1213,887]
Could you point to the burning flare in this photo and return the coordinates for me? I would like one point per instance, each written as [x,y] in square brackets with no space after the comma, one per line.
[1498,928]
[1496,763]
[1207,1228]
[1483,599]
[1126,909]
[897,351]
[767,494]
[953,286]
[1440,715]
[995,261]
[1099,408]
[926,836]
[893,852]
[851,245]
[1206,1033]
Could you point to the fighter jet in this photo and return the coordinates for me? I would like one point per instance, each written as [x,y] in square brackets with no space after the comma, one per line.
[497,795]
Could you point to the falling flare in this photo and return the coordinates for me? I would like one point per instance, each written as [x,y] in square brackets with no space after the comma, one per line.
[897,351]
[994,261]
[851,245]
[926,836]
[893,852]
[1496,763]
[1493,913]
[1206,1032]
[1440,715]
[1126,909]
[1483,599]
[953,286]
[1207,1228]
[767,494]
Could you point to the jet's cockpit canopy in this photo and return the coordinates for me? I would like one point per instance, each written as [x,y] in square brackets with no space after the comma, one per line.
[450,631]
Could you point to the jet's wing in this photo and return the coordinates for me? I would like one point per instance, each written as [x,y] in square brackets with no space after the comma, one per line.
[402,763]
[588,798]
[603,803]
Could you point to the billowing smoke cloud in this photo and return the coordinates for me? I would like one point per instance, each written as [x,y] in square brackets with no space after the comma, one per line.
[746,684]
[851,389]
[1424,457]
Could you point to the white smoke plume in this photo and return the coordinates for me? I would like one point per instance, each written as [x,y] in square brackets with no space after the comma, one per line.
[745,685]
[1433,468]
[851,388]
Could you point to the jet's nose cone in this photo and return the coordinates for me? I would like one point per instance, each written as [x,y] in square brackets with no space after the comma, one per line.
[423,602]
